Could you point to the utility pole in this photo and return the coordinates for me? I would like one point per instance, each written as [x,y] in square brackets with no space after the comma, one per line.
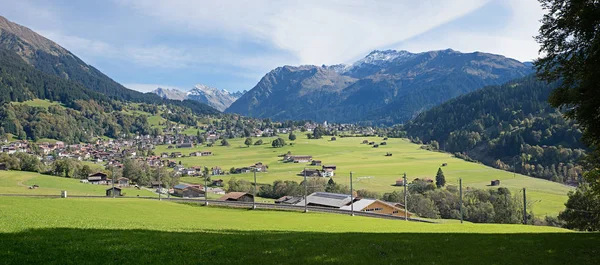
[205,191]
[461,199]
[305,191]
[254,197]
[351,196]
[113,181]
[405,198]
[524,207]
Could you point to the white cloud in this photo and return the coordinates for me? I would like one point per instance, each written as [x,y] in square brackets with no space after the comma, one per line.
[315,32]
[514,39]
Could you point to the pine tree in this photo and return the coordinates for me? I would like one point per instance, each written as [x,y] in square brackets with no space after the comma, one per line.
[440,179]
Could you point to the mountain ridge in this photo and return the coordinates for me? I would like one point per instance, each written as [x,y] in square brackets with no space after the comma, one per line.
[385,87]
[219,99]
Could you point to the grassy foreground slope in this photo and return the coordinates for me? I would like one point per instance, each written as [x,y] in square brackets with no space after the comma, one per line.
[134,231]
[372,169]
[18,182]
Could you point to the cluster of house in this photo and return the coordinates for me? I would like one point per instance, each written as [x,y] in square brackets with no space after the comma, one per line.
[324,171]
[346,202]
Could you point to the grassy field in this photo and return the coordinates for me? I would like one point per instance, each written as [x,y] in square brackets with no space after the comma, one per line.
[372,169]
[136,231]
[18,182]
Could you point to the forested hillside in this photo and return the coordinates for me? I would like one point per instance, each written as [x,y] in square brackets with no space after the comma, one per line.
[50,58]
[509,127]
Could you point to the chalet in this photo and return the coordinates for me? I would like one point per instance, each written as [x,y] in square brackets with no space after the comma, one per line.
[196,153]
[98,178]
[188,191]
[333,167]
[185,145]
[259,167]
[217,171]
[316,163]
[400,182]
[311,172]
[495,182]
[376,206]
[237,196]
[156,184]
[176,154]
[326,199]
[206,153]
[218,183]
[242,170]
[289,200]
[328,173]
[111,190]
[3,166]
[122,181]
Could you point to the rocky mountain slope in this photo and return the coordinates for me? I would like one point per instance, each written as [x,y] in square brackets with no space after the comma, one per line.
[219,99]
[385,87]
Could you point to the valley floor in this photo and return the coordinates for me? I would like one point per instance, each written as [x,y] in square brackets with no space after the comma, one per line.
[373,170]
[134,231]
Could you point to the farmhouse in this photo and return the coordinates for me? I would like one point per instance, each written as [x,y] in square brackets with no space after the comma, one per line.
[217,183]
[332,167]
[309,172]
[185,145]
[376,206]
[155,184]
[316,163]
[300,159]
[188,191]
[328,172]
[176,154]
[111,190]
[237,196]
[326,199]
[259,167]
[217,171]
[98,178]
[122,181]
[400,182]
[206,153]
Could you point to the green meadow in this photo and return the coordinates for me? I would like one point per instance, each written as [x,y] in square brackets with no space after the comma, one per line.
[136,231]
[18,182]
[372,170]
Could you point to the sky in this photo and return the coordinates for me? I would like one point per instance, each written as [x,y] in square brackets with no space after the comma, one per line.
[145,44]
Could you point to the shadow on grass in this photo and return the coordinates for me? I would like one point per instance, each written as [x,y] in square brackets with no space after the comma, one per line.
[93,246]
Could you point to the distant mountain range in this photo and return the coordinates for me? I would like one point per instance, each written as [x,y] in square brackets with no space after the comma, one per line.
[385,87]
[219,99]
[50,58]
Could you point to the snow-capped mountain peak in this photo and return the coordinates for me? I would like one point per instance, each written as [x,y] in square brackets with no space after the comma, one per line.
[219,99]
[378,56]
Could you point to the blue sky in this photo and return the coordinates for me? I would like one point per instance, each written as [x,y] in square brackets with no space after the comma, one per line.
[232,44]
